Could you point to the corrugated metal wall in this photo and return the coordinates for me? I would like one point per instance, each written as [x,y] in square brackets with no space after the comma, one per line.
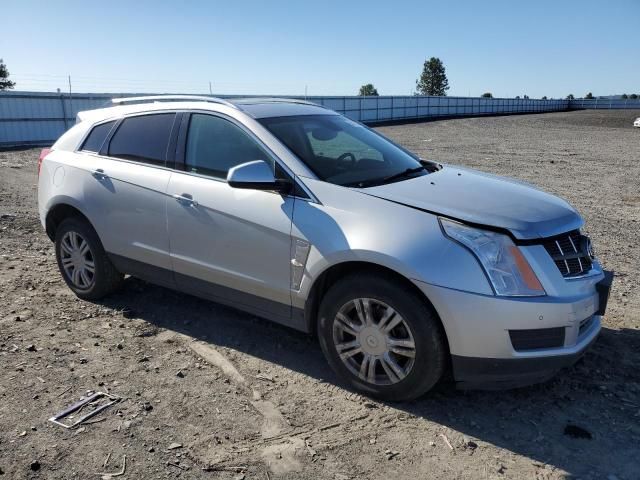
[604,103]
[37,118]
[380,109]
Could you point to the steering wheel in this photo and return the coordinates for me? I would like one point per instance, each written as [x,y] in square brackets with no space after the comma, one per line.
[346,155]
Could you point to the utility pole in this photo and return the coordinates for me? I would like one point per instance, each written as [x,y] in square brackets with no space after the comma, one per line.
[70,101]
[210,91]
[305,92]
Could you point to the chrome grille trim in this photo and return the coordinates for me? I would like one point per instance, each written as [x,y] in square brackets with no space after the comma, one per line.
[569,253]
[573,244]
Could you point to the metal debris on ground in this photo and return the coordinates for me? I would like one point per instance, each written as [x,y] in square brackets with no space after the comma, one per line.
[107,476]
[391,454]
[265,377]
[177,465]
[446,440]
[90,400]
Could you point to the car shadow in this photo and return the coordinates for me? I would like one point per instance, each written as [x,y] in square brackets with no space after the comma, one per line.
[600,395]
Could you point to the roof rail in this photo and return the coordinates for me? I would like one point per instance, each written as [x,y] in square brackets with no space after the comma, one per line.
[161,98]
[278,100]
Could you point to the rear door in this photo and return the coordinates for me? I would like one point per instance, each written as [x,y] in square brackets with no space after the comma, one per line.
[126,194]
[228,244]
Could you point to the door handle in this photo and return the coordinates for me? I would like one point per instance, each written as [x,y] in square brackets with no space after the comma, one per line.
[99,174]
[186,199]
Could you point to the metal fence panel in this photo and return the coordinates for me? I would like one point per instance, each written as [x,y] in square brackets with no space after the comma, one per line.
[38,118]
[606,103]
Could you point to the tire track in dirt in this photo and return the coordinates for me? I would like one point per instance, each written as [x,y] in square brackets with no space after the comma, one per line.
[281,457]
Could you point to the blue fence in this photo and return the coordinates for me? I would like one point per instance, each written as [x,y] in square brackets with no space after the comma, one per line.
[605,104]
[38,118]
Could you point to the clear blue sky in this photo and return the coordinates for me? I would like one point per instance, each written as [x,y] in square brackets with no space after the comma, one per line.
[259,47]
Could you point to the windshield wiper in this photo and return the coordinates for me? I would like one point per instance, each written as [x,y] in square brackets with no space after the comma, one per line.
[381,181]
[405,173]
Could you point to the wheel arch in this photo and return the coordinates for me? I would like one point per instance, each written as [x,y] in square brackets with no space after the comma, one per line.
[60,212]
[330,275]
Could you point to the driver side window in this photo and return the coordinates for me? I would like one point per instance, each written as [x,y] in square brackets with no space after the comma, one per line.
[214,145]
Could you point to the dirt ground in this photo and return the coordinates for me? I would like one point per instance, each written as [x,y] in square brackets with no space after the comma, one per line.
[209,392]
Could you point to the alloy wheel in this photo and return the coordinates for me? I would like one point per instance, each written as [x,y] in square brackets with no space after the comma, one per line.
[77,260]
[373,341]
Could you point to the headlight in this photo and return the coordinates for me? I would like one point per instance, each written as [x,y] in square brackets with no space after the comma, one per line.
[506,267]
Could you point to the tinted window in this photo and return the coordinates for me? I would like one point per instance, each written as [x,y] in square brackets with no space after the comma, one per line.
[214,145]
[97,137]
[144,138]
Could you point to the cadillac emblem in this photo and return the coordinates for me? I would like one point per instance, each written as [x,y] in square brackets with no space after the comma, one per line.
[587,247]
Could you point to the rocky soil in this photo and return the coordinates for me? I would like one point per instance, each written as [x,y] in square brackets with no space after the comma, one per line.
[209,392]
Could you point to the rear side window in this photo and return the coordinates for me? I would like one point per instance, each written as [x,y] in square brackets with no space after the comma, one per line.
[143,139]
[214,145]
[97,137]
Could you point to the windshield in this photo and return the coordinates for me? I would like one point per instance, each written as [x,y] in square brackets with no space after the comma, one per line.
[344,152]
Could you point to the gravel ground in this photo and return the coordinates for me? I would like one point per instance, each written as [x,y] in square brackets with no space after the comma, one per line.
[244,398]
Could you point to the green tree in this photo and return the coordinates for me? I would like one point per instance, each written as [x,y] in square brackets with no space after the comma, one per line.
[433,79]
[589,96]
[5,83]
[544,98]
[368,90]
[624,96]
[571,97]
[487,95]
[633,96]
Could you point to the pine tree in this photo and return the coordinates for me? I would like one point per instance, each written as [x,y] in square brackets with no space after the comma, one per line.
[433,79]
[5,83]
[368,90]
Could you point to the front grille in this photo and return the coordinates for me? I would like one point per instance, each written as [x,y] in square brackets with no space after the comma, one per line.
[537,338]
[570,253]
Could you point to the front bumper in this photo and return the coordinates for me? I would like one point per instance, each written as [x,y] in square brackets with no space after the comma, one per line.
[504,373]
[478,330]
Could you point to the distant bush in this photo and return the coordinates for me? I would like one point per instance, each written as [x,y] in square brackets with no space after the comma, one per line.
[487,95]
[571,97]
[633,96]
[589,96]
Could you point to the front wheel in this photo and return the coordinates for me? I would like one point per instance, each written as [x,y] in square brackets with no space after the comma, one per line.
[381,338]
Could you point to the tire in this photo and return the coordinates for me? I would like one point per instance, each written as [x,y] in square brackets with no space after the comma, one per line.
[104,279]
[352,297]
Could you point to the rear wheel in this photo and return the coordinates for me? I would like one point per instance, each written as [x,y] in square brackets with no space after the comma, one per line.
[82,261]
[381,338]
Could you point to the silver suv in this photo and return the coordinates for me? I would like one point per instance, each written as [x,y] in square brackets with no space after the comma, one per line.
[404,268]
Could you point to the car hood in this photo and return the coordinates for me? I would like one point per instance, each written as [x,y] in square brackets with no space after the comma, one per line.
[484,199]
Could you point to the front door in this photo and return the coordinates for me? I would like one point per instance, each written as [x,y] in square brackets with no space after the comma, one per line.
[228,244]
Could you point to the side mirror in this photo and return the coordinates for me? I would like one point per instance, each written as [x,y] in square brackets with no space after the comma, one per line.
[256,175]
